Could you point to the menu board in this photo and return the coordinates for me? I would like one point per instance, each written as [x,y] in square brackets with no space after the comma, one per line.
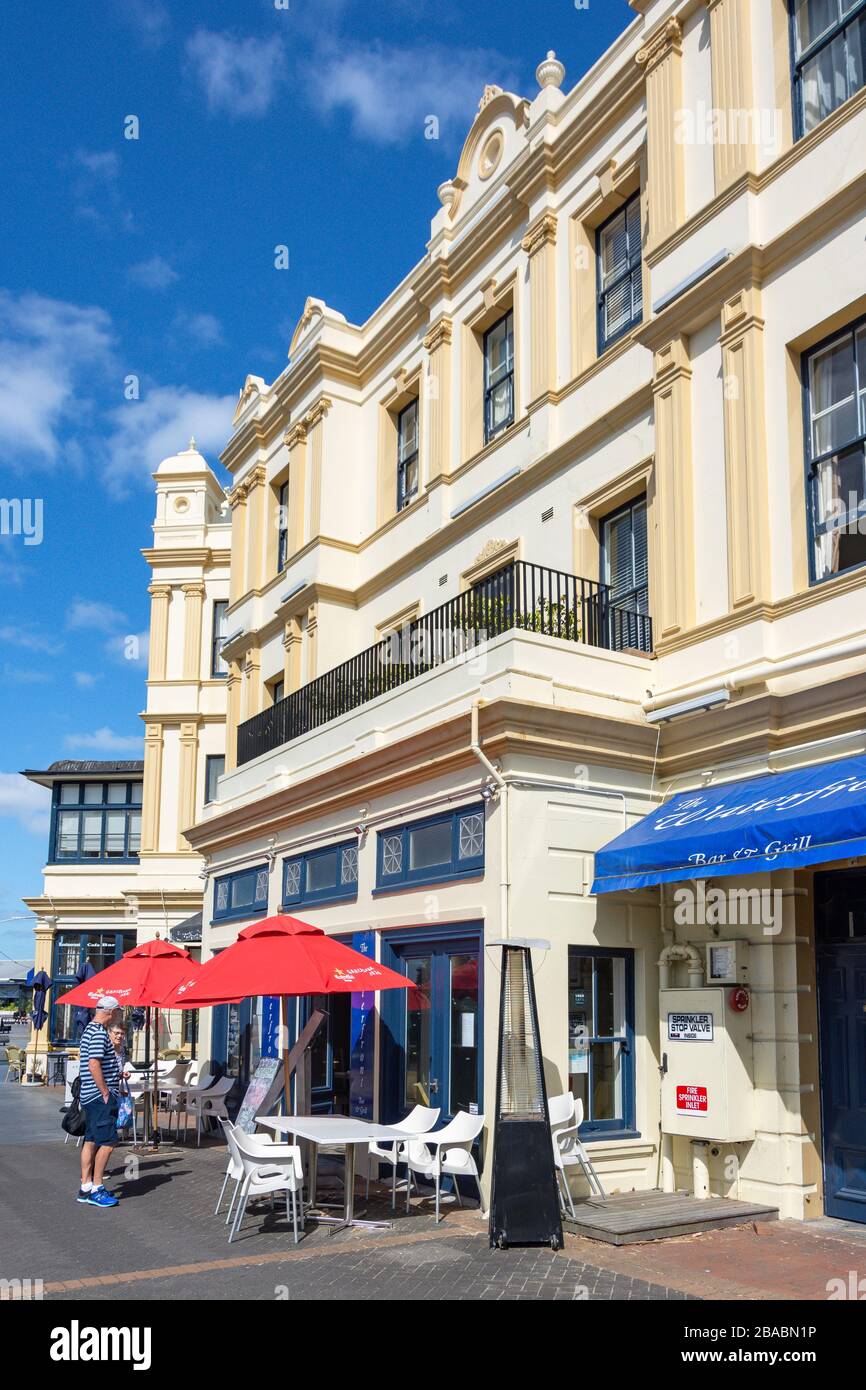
[261,1094]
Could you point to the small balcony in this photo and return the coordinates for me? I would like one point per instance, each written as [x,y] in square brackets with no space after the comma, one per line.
[521,596]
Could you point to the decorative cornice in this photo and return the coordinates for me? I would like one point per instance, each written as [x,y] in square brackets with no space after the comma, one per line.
[159,590]
[666,40]
[541,233]
[195,589]
[296,434]
[317,412]
[438,334]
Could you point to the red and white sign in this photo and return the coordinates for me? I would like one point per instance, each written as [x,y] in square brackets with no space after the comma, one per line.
[692,1098]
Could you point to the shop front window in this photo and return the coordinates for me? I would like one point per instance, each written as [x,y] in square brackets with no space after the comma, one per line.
[600,1038]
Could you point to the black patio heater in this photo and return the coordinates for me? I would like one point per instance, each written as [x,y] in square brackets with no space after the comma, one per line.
[524,1204]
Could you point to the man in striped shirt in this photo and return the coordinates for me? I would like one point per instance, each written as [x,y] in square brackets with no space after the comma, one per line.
[99,1099]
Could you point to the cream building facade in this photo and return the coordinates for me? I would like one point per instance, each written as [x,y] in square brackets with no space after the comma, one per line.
[119,870]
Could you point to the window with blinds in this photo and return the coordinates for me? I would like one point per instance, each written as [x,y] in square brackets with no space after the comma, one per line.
[620,292]
[625,565]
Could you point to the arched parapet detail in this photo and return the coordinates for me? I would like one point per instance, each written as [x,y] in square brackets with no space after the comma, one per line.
[495,137]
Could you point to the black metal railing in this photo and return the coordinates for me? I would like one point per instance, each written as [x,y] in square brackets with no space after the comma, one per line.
[528,597]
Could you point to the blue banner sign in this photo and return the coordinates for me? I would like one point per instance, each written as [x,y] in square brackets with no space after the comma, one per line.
[361,1037]
[788,820]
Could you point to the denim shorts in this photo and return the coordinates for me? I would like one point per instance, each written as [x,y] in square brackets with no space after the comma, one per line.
[100,1119]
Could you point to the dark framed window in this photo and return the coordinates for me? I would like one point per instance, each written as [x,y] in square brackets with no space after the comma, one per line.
[71,952]
[321,875]
[219,667]
[241,894]
[828,54]
[443,847]
[407,455]
[278,691]
[214,767]
[499,376]
[625,570]
[99,821]
[283,527]
[601,1038]
[834,383]
[620,280]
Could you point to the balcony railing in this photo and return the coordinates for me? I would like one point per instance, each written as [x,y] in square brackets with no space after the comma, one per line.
[523,596]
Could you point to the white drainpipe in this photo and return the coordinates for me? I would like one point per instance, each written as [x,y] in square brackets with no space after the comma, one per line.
[504,847]
[756,675]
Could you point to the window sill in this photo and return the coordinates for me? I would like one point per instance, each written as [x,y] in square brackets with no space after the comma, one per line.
[239,916]
[328,901]
[405,885]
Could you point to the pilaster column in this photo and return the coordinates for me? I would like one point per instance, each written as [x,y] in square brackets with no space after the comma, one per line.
[437,400]
[731,57]
[296,443]
[745,448]
[540,247]
[193,600]
[160,597]
[233,714]
[152,788]
[186,781]
[238,572]
[292,662]
[312,642]
[661,58]
[252,686]
[315,431]
[256,512]
[673,505]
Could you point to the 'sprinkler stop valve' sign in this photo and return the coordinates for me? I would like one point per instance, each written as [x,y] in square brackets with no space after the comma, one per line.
[691,1098]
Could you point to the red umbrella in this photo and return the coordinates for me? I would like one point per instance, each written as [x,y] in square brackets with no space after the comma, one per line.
[139,980]
[284,956]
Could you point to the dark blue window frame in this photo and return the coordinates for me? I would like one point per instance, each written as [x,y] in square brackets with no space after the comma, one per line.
[63,981]
[624,1126]
[258,904]
[406,457]
[218,667]
[633,267]
[296,868]
[467,866]
[814,460]
[823,42]
[128,808]
[505,377]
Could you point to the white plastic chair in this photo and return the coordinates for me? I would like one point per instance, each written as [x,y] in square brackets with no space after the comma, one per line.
[207,1101]
[426,1157]
[569,1152]
[420,1120]
[267,1168]
[234,1168]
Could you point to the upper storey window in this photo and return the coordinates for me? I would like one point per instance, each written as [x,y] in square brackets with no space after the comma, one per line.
[407,455]
[829,46]
[499,376]
[219,666]
[96,821]
[835,385]
[620,289]
[283,528]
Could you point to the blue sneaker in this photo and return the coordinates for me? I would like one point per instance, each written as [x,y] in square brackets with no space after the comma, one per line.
[82,1195]
[99,1197]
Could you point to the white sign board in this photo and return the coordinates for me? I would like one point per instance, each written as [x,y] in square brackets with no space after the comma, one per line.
[690,1027]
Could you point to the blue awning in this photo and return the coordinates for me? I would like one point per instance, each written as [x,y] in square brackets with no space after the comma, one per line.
[786,820]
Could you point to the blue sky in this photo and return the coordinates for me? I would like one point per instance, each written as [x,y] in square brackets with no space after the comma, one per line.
[260,124]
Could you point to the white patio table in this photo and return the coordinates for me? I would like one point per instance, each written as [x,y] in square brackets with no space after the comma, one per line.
[345,1132]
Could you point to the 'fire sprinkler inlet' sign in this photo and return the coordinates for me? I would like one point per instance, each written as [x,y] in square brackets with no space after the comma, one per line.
[692,1098]
[690,1027]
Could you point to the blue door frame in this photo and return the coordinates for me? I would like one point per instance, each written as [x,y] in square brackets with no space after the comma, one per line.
[440,944]
[841,971]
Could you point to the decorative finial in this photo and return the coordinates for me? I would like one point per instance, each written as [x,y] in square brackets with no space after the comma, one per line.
[192,445]
[447,193]
[490,91]
[551,72]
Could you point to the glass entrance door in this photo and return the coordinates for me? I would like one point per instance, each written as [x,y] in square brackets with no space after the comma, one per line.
[433,1055]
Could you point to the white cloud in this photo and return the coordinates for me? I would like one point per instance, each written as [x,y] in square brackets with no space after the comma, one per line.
[49,352]
[154,274]
[238,76]
[202,329]
[390,92]
[28,639]
[102,164]
[25,802]
[149,19]
[105,740]
[90,613]
[85,680]
[161,423]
